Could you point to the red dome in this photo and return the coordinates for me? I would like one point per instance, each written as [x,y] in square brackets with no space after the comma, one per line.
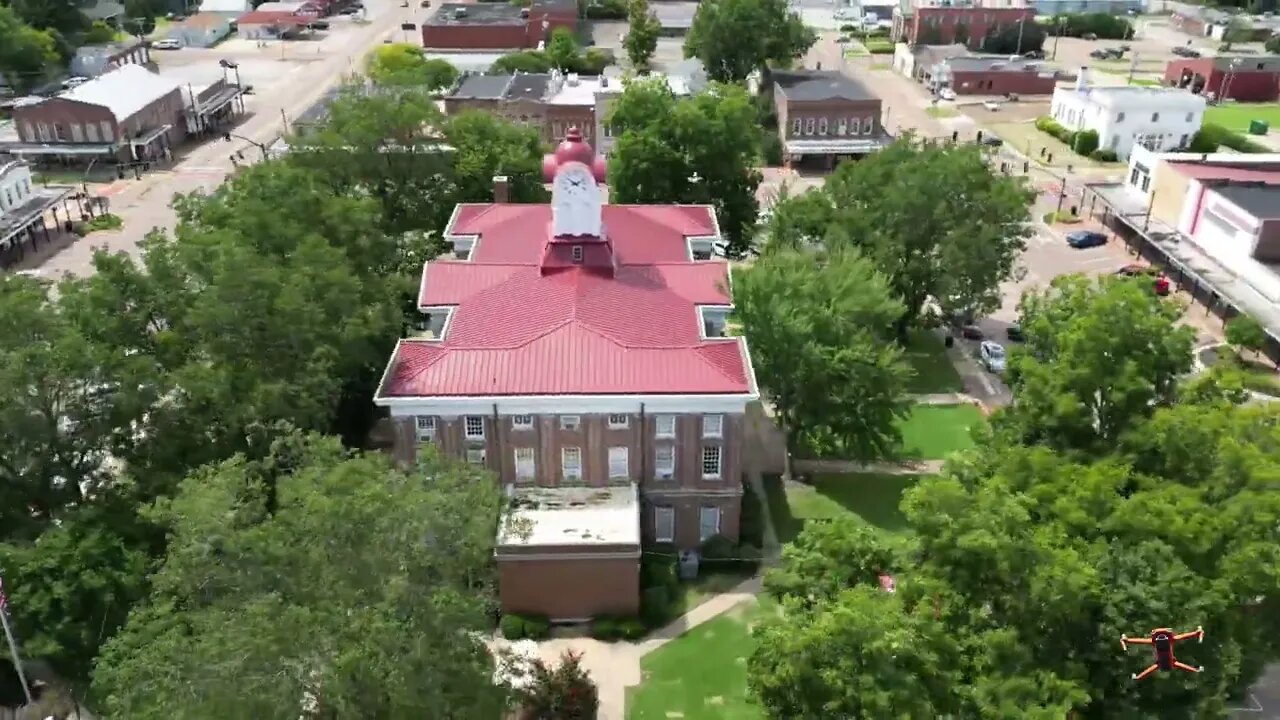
[573,149]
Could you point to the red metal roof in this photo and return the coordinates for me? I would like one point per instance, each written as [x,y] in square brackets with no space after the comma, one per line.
[516,330]
[267,17]
[1268,173]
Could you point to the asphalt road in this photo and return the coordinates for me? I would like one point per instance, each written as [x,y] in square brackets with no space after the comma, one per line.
[306,71]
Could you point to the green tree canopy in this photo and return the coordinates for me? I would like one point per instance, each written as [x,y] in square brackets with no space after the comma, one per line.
[734,38]
[1099,356]
[27,54]
[642,33]
[701,149]
[486,146]
[1246,333]
[529,61]
[562,50]
[937,222]
[99,33]
[314,578]
[404,64]
[819,334]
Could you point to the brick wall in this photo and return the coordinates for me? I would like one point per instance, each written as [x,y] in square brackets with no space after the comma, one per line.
[569,588]
[1001,83]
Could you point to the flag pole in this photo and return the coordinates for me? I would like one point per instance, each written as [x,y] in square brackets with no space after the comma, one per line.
[13,645]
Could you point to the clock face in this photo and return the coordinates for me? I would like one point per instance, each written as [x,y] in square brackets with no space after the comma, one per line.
[575,182]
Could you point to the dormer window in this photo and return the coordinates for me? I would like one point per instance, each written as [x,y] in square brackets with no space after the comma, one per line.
[577,253]
[714,321]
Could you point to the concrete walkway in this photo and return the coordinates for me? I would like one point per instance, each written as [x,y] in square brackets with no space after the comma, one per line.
[907,467]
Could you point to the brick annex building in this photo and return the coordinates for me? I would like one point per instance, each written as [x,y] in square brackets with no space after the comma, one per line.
[577,350]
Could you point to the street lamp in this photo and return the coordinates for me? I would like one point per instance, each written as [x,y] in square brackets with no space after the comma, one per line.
[265,155]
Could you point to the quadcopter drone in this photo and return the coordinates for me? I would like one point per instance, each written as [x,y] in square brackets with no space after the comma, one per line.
[1162,641]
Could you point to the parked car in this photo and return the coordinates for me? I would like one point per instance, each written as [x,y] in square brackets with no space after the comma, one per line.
[318,25]
[991,141]
[167,44]
[74,82]
[1159,281]
[992,356]
[1081,239]
[947,94]
[971,332]
[1034,55]
[1186,52]
[1014,333]
[991,105]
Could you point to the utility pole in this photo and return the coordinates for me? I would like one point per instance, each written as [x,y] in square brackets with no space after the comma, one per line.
[1061,24]
[13,644]
[1022,25]
[1133,66]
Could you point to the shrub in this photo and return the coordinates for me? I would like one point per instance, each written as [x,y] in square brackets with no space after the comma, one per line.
[1212,136]
[1085,142]
[718,553]
[565,693]
[849,29]
[658,568]
[1104,25]
[1246,333]
[537,627]
[878,47]
[749,557]
[606,629]
[512,627]
[607,10]
[594,60]
[632,629]
[771,149]
[655,605]
[1060,217]
[1104,155]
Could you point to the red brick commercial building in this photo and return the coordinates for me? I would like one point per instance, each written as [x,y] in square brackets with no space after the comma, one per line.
[939,25]
[496,25]
[993,76]
[1245,78]
[578,351]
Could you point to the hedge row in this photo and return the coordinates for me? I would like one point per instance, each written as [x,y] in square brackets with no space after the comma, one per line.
[521,627]
[1081,142]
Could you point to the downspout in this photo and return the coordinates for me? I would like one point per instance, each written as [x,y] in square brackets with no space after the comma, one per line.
[497,429]
[644,450]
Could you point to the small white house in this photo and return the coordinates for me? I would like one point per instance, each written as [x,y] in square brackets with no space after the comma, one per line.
[1125,116]
[15,186]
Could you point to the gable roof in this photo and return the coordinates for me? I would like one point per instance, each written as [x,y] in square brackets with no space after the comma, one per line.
[124,91]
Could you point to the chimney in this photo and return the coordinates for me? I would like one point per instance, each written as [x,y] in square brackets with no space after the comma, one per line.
[501,189]
[1082,79]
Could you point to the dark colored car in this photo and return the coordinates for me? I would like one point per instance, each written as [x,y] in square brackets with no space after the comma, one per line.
[1014,332]
[971,332]
[318,25]
[1034,55]
[1081,239]
[992,141]
[1184,51]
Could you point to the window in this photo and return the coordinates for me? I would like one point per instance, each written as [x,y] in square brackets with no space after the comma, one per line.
[664,462]
[107,134]
[521,422]
[1189,116]
[28,132]
[796,126]
[571,463]
[557,130]
[1119,117]
[708,522]
[475,456]
[868,125]
[712,425]
[526,468]
[664,426]
[77,132]
[808,126]
[842,127]
[474,427]
[1182,142]
[1155,116]
[42,131]
[426,427]
[577,253]
[59,131]
[855,126]
[569,422]
[822,126]
[710,462]
[618,422]
[664,524]
[91,132]
[619,463]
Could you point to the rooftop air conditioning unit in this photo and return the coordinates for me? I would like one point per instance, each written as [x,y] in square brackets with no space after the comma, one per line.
[460,12]
[524,13]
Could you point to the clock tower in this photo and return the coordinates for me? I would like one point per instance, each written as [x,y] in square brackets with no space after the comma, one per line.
[577,233]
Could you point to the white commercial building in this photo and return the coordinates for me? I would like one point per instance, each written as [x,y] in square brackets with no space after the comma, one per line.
[1125,116]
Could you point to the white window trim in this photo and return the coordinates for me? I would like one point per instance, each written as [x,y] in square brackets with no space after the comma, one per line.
[578,253]
[626,421]
[625,471]
[466,427]
[476,450]
[433,310]
[718,431]
[809,125]
[564,463]
[702,462]
[667,472]
[517,425]
[711,311]
[567,424]
[702,537]
[671,530]
[532,465]
[658,432]
[822,126]
[425,431]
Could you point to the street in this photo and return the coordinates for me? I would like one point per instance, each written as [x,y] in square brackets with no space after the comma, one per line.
[307,69]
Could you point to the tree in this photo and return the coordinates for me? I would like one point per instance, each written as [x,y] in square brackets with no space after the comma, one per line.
[860,656]
[734,38]
[528,61]
[817,331]
[404,64]
[315,582]
[961,34]
[1273,44]
[562,50]
[486,146]
[62,18]
[642,34]
[1015,39]
[1099,357]
[99,33]
[701,149]
[26,54]
[563,693]
[1246,333]
[826,559]
[949,232]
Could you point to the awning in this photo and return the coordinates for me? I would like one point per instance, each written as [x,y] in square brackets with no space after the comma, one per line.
[21,149]
[849,146]
[32,211]
[150,137]
[219,101]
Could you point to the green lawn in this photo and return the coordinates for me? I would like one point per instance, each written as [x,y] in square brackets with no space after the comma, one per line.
[941,112]
[1236,116]
[872,497]
[931,432]
[701,675]
[934,372]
